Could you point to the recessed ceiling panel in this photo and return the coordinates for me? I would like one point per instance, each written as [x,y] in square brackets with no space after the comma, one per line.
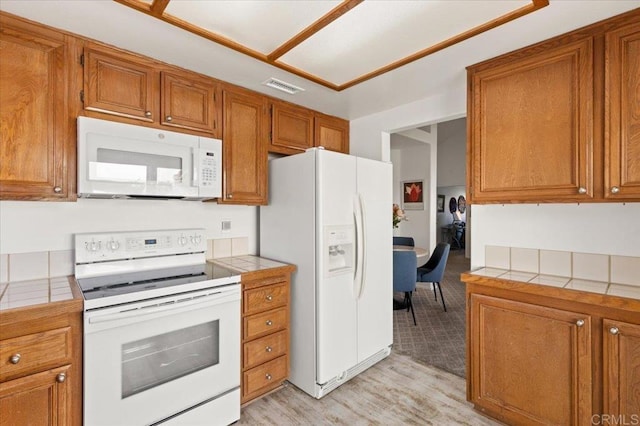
[257,24]
[377,33]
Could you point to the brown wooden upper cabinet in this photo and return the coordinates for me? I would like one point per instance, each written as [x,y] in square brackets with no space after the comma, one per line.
[295,129]
[331,133]
[536,118]
[141,91]
[531,126]
[244,155]
[622,113]
[291,128]
[37,136]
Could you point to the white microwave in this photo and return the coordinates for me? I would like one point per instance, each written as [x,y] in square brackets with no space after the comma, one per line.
[117,160]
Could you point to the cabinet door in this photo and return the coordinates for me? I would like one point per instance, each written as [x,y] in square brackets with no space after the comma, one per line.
[37,145]
[622,113]
[529,364]
[189,102]
[621,368]
[531,126]
[244,147]
[120,84]
[332,133]
[38,399]
[291,128]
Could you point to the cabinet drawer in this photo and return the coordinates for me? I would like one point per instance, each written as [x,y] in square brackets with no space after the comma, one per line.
[264,323]
[34,352]
[264,349]
[264,298]
[266,376]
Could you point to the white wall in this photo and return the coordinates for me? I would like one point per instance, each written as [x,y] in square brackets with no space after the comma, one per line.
[452,153]
[28,226]
[413,161]
[607,228]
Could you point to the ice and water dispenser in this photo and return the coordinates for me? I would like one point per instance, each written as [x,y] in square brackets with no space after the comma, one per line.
[339,249]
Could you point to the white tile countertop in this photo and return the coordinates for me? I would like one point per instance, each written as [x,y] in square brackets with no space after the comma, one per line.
[590,286]
[18,294]
[248,263]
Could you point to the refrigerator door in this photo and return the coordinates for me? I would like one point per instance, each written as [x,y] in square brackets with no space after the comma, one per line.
[336,299]
[375,307]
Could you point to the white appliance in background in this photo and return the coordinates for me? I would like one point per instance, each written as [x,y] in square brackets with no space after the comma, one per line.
[330,215]
[161,330]
[117,160]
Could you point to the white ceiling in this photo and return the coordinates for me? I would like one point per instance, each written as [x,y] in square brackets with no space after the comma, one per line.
[371,35]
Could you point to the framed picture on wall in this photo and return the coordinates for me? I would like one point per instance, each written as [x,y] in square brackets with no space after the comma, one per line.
[412,195]
[440,203]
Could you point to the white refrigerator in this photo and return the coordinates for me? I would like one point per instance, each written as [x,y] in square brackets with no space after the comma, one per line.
[330,215]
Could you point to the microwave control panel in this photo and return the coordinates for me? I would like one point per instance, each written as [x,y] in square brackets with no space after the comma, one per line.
[209,163]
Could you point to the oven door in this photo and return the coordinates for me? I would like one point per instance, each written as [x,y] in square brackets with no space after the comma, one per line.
[146,361]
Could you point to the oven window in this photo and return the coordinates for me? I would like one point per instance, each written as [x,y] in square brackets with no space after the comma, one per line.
[159,359]
[135,167]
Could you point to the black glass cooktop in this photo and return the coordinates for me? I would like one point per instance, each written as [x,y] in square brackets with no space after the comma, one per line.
[118,284]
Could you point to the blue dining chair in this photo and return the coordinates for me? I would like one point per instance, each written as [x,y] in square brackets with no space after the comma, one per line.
[433,270]
[403,241]
[405,277]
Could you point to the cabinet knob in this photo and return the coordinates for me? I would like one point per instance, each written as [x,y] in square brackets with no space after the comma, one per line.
[60,378]
[615,190]
[269,297]
[169,118]
[614,330]
[268,349]
[15,358]
[269,323]
[582,190]
[580,323]
[229,196]
[267,376]
[57,189]
[147,113]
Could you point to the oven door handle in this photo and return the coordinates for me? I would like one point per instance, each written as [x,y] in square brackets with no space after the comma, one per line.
[213,299]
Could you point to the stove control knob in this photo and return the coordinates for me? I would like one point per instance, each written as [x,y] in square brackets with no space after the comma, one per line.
[197,239]
[113,245]
[182,240]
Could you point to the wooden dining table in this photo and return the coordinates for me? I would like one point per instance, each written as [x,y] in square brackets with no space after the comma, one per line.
[422,255]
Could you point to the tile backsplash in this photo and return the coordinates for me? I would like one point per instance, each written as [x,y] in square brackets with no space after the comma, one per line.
[36,265]
[227,247]
[584,268]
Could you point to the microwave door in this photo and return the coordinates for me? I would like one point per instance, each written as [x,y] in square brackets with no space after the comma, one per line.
[137,167]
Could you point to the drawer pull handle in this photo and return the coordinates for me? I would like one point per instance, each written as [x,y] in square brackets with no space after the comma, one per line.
[269,323]
[60,378]
[269,297]
[15,358]
[267,376]
[268,349]
[614,330]
[580,323]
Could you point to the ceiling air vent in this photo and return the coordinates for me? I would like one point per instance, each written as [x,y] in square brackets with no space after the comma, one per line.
[281,85]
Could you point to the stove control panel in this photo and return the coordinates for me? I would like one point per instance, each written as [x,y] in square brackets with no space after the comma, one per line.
[100,247]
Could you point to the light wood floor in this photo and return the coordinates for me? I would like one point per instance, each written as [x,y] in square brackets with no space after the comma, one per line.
[396,391]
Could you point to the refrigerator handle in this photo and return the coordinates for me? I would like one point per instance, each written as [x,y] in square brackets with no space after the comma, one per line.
[358,279]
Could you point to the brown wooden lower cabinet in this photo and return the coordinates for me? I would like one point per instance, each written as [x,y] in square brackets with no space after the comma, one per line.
[265,331]
[41,364]
[621,367]
[531,364]
[540,355]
